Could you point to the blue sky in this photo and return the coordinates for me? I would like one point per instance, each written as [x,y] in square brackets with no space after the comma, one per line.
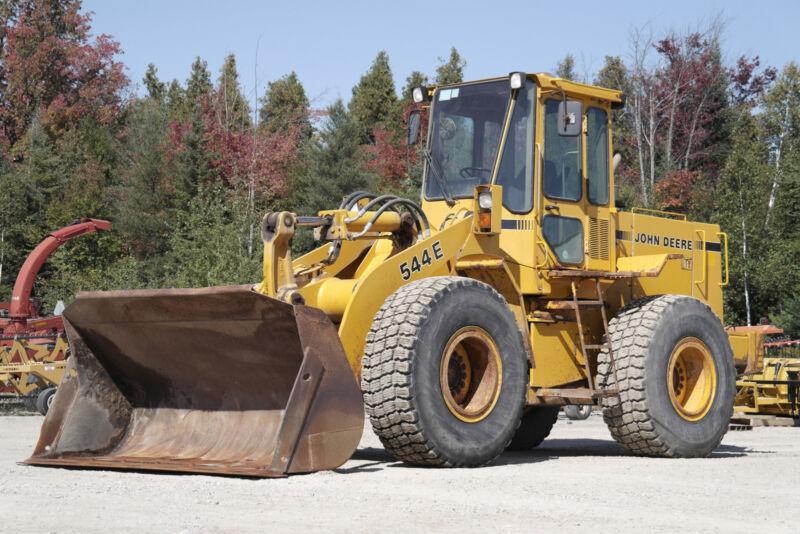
[330,44]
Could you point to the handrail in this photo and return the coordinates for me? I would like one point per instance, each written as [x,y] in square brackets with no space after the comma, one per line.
[646,211]
[724,238]
[705,257]
[544,248]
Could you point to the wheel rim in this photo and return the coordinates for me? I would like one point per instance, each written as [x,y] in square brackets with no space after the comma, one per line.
[470,374]
[50,400]
[691,379]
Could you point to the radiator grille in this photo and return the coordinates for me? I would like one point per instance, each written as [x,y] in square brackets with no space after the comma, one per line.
[598,238]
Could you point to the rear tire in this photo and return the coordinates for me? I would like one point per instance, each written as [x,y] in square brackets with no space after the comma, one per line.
[658,411]
[435,397]
[44,400]
[578,412]
[535,426]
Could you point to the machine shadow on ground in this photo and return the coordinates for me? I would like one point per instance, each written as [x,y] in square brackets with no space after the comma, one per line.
[378,458]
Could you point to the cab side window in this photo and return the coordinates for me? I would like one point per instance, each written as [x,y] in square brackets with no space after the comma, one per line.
[597,155]
[562,158]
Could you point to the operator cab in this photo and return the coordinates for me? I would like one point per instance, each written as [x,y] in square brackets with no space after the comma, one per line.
[546,141]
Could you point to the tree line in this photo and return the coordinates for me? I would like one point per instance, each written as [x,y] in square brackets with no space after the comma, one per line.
[186,169]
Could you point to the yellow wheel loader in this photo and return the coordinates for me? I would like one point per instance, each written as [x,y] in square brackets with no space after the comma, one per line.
[464,322]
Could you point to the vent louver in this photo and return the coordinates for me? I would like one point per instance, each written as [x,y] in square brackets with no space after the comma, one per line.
[598,238]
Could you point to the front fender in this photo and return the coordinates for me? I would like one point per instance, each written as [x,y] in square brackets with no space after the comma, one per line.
[375,287]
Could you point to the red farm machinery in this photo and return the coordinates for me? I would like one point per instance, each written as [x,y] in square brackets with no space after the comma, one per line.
[33,348]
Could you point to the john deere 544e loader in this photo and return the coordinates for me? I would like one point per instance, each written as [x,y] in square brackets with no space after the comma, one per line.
[463,322]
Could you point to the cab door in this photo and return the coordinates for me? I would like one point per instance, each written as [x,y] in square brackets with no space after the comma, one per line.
[562,187]
[575,183]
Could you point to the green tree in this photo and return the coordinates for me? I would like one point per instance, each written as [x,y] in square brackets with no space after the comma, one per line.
[19,225]
[286,106]
[566,68]
[232,109]
[614,75]
[374,101]
[781,119]
[176,101]
[192,163]
[741,204]
[334,169]
[198,86]
[142,209]
[781,123]
[209,245]
[155,87]
[451,70]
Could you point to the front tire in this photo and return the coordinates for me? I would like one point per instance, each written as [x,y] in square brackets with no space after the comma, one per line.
[444,373]
[676,378]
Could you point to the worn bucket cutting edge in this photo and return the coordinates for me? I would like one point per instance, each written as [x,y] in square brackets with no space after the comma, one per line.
[217,380]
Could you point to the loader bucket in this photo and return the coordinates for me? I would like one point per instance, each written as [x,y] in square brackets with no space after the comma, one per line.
[220,380]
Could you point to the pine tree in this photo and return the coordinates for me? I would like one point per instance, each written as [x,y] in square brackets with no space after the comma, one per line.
[566,68]
[142,211]
[192,164]
[374,101]
[451,70]
[415,79]
[198,86]
[155,87]
[614,75]
[286,105]
[334,169]
[209,245]
[232,109]
[176,101]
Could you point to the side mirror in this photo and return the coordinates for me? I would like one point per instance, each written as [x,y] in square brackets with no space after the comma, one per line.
[569,118]
[414,121]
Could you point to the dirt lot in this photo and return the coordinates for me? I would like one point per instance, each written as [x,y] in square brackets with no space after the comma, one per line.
[578,481]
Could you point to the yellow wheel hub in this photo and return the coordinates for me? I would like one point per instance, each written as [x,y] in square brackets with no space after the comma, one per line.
[691,379]
[470,374]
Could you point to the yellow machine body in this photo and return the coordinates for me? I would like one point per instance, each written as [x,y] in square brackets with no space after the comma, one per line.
[660,253]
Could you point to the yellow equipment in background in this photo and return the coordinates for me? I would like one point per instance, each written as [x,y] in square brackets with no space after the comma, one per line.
[26,367]
[769,383]
[464,322]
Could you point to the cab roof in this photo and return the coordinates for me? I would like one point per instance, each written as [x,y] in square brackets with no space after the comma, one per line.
[549,82]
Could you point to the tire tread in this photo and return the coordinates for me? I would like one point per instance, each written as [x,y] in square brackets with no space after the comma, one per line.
[627,415]
[386,372]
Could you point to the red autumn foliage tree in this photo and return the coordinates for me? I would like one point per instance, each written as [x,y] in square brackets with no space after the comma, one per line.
[389,156]
[747,83]
[241,159]
[52,68]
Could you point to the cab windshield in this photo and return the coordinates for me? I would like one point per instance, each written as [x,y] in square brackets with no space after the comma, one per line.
[465,135]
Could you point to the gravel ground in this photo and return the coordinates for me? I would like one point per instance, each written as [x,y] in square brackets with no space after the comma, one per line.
[577,481]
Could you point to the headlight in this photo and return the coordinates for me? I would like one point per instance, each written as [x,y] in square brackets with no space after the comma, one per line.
[485,200]
[516,79]
[419,94]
